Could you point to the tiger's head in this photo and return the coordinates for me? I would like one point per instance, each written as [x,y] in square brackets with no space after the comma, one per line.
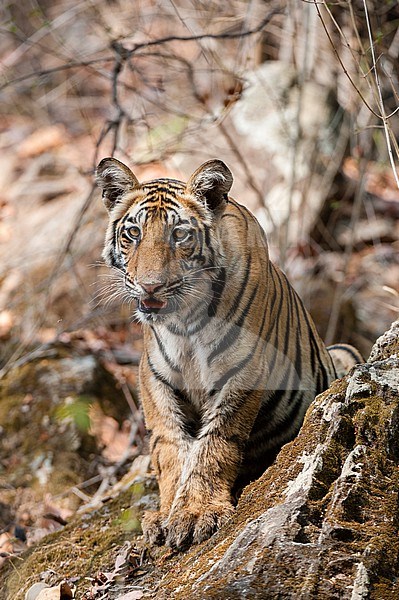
[162,236]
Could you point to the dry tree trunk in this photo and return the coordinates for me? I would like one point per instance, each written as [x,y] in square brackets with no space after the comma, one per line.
[322,523]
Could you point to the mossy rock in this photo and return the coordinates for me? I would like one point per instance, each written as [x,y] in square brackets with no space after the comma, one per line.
[46,445]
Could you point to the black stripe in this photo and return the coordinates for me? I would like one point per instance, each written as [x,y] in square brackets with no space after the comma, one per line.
[241,291]
[291,417]
[289,313]
[172,328]
[228,409]
[173,183]
[315,350]
[160,189]
[221,382]
[267,407]
[114,227]
[260,339]
[319,384]
[194,316]
[218,286]
[155,441]
[200,237]
[326,379]
[158,375]
[115,259]
[191,420]
[356,356]
[198,249]
[276,341]
[157,211]
[232,334]
[298,331]
[153,200]
[162,350]
[207,236]
[125,218]
[293,304]
[269,429]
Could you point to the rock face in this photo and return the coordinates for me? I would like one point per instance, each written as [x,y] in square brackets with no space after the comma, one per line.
[322,522]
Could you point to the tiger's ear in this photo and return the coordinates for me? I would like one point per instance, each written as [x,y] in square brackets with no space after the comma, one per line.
[211,183]
[114,178]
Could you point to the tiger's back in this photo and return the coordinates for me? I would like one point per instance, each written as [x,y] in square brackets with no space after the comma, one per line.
[231,357]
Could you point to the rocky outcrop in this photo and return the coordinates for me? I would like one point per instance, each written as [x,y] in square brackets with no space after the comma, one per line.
[322,522]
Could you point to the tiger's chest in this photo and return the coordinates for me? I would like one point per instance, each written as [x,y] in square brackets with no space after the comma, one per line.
[186,363]
[182,361]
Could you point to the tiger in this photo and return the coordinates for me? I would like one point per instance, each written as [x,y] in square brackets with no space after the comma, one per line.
[231,358]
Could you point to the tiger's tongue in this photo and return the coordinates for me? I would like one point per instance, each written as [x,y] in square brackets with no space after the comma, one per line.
[152,303]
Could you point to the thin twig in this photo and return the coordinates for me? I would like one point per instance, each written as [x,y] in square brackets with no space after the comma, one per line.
[127,53]
[381,101]
[342,64]
[65,67]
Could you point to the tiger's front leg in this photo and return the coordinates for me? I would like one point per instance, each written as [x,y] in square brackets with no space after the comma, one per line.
[167,464]
[168,447]
[203,501]
[195,473]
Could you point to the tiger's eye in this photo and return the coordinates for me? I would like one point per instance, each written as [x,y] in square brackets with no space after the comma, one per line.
[179,234]
[133,232]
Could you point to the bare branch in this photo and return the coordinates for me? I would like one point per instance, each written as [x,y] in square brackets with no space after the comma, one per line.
[125,53]
[342,64]
[381,101]
[65,67]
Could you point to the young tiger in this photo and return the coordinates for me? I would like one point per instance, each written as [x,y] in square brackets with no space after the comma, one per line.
[231,357]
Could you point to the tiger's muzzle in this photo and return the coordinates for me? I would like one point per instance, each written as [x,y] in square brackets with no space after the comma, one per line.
[153,300]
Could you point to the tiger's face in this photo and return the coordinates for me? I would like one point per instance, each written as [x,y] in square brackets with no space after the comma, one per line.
[162,236]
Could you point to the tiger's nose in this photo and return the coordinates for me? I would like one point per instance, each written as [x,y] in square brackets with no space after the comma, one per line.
[150,287]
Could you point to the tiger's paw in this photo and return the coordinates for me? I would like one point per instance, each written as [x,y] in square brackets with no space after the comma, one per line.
[186,527]
[151,525]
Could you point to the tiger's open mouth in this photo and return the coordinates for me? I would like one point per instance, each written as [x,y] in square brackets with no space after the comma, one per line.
[152,305]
